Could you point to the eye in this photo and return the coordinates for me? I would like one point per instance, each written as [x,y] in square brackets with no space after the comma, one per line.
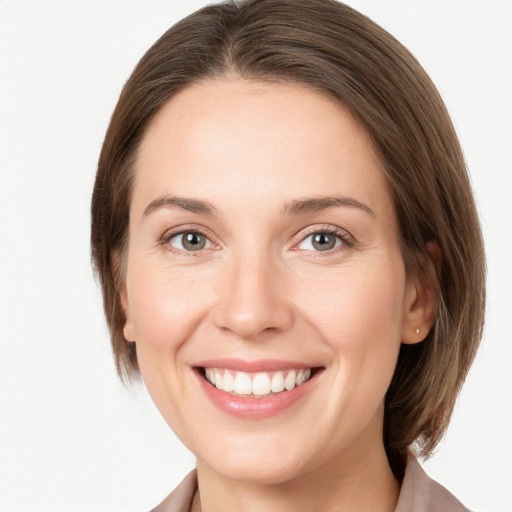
[321,241]
[189,241]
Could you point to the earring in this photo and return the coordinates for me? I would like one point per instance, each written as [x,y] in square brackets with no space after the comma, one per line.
[417,330]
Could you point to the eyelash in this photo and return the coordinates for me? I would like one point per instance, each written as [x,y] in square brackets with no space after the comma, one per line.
[346,239]
[192,230]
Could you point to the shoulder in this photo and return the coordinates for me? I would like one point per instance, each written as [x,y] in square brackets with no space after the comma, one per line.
[181,498]
[422,494]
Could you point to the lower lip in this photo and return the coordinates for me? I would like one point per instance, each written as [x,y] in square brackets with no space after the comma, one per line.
[254,408]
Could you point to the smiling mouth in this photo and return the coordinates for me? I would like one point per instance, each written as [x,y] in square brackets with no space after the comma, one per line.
[258,384]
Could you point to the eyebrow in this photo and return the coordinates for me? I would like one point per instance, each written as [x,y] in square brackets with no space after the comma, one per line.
[296,207]
[314,204]
[180,203]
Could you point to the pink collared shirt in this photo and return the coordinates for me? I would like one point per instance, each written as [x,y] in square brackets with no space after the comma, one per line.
[418,493]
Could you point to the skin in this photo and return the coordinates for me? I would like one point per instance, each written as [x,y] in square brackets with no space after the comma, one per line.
[260,290]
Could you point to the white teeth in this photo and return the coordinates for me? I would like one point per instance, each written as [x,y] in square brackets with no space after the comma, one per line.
[303,376]
[277,384]
[228,383]
[289,382]
[243,384]
[218,380]
[261,384]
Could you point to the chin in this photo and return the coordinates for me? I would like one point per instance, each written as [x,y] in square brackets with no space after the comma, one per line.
[260,460]
[258,470]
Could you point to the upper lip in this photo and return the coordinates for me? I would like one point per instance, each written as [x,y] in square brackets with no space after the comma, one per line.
[261,365]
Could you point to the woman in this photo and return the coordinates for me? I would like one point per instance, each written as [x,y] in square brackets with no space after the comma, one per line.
[290,255]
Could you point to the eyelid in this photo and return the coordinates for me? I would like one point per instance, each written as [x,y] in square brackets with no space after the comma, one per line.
[347,239]
[181,230]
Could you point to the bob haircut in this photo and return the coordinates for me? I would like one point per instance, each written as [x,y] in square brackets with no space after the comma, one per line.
[332,49]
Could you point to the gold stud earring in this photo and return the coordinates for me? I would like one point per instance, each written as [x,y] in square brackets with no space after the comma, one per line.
[417,330]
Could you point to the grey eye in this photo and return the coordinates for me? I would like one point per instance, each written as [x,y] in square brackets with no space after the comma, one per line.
[321,241]
[191,241]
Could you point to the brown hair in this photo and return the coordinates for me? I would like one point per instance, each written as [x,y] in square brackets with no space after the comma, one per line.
[337,51]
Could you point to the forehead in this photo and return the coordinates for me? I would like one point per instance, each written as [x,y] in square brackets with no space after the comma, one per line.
[229,138]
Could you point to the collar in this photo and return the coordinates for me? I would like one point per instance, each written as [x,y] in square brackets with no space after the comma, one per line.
[418,493]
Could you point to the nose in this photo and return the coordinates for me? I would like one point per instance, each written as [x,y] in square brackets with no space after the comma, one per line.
[253,298]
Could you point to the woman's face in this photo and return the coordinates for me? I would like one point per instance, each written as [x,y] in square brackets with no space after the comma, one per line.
[264,250]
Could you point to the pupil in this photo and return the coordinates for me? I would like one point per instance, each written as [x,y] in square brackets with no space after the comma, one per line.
[323,241]
[193,241]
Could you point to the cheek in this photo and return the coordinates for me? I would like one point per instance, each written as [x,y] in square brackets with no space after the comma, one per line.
[357,300]
[362,324]
[165,307]
[360,314]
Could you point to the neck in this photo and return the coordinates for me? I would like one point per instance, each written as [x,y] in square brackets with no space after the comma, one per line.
[359,479]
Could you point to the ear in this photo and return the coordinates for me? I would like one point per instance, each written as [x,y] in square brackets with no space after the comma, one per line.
[421,297]
[128,328]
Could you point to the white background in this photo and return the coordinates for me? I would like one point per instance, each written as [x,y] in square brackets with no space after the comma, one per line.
[71,437]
